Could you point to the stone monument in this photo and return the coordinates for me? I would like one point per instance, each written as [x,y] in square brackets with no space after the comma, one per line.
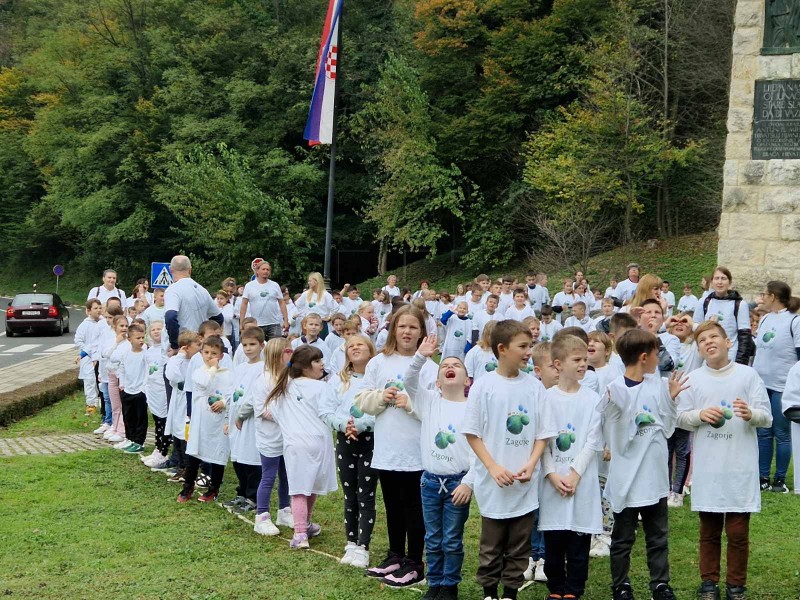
[759,230]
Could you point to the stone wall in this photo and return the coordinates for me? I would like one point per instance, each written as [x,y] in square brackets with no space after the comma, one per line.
[759,230]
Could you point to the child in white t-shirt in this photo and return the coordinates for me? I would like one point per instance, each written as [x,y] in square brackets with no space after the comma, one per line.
[480,359]
[382,306]
[508,426]
[369,322]
[564,300]
[491,312]
[312,326]
[506,294]
[579,318]
[549,326]
[87,337]
[334,339]
[724,404]
[132,373]
[446,457]
[603,322]
[156,393]
[458,332]
[682,327]
[189,344]
[351,301]
[688,302]
[570,496]
[520,309]
[790,401]
[639,414]
[475,300]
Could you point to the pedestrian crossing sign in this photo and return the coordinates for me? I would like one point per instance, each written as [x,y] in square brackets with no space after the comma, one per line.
[160,275]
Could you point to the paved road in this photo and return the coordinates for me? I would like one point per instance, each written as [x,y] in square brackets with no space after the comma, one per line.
[27,346]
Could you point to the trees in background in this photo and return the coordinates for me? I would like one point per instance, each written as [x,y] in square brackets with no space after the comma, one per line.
[133,128]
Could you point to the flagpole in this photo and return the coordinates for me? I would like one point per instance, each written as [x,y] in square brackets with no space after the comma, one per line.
[326,271]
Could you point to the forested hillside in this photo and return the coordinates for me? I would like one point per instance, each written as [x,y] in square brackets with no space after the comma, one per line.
[133,129]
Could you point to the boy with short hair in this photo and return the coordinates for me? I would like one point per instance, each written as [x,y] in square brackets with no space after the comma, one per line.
[87,338]
[688,302]
[639,414]
[132,373]
[570,508]
[483,281]
[351,300]
[579,318]
[458,332]
[475,300]
[241,426]
[520,309]
[156,311]
[549,327]
[603,322]
[312,326]
[538,295]
[489,313]
[506,294]
[651,319]
[723,406]
[508,426]
[334,339]
[618,325]
[189,343]
[668,296]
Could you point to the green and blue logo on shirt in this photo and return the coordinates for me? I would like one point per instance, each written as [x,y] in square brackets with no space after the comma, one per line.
[727,414]
[216,397]
[645,417]
[517,420]
[566,437]
[238,393]
[446,437]
[152,369]
[768,336]
[491,365]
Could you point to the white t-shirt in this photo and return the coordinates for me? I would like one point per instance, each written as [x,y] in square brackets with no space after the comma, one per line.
[723,309]
[191,301]
[609,292]
[87,339]
[269,441]
[479,362]
[243,443]
[391,290]
[688,304]
[538,296]
[509,415]
[790,399]
[175,371]
[625,290]
[337,409]
[519,314]
[207,440]
[473,308]
[317,343]
[397,433]
[482,318]
[636,424]
[155,390]
[579,439]
[263,301]
[324,307]
[548,330]
[154,313]
[103,294]
[444,448]
[132,370]
[587,324]
[777,338]
[672,345]
[689,357]
[227,319]
[334,341]
[196,362]
[458,333]
[307,441]
[350,307]
[726,475]
[506,300]
[669,297]
[605,375]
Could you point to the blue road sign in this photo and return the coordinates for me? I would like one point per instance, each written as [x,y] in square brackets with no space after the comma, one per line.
[160,275]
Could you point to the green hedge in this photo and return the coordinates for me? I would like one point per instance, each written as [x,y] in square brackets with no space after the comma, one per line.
[27,400]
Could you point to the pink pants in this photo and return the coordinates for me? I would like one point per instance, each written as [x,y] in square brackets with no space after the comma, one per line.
[117,424]
[302,507]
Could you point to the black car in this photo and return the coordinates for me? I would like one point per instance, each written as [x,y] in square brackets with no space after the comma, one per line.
[37,312]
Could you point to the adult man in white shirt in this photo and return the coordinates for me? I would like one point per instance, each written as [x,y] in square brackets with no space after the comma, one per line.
[626,289]
[265,300]
[186,303]
[108,290]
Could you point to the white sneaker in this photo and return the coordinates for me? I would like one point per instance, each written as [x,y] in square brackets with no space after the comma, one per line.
[149,457]
[109,433]
[598,548]
[285,518]
[122,444]
[264,525]
[675,500]
[528,574]
[360,558]
[156,458]
[116,438]
[102,429]
[539,573]
[348,554]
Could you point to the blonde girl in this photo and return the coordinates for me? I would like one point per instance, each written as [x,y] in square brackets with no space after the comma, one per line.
[383,307]
[111,354]
[649,287]
[430,322]
[354,447]
[307,448]
[269,442]
[316,299]
[369,323]
[481,360]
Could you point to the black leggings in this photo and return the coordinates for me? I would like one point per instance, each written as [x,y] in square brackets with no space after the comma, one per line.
[162,441]
[178,452]
[359,482]
[193,468]
[403,503]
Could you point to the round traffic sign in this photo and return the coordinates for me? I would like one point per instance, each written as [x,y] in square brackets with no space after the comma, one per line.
[58,270]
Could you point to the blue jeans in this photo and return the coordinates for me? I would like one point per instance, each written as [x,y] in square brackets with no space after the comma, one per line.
[782,434]
[537,538]
[444,528]
[107,400]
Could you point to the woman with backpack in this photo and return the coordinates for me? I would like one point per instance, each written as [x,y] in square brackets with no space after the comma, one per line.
[726,307]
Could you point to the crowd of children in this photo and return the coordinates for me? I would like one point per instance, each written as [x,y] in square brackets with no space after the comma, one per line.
[570,421]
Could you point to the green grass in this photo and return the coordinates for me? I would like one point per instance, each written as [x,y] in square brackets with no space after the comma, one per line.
[99,525]
[72,288]
[65,416]
[679,260]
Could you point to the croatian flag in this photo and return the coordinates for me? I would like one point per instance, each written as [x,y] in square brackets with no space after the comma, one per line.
[319,127]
